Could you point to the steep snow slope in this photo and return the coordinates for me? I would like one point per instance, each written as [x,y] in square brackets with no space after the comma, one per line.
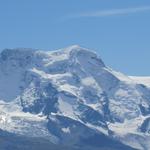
[70,96]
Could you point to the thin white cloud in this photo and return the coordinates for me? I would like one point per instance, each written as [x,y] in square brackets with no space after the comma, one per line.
[112,12]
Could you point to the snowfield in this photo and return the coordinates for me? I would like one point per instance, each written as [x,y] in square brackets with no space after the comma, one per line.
[141,80]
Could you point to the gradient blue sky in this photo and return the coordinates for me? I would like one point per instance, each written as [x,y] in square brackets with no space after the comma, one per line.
[119,30]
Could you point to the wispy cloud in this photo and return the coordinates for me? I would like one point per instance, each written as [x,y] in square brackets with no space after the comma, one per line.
[111,12]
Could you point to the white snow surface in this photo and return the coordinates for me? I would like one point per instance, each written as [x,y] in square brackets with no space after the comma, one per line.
[141,80]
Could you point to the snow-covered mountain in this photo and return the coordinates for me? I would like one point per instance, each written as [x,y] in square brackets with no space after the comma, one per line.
[69,97]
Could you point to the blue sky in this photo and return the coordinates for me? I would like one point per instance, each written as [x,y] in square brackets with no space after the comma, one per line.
[119,30]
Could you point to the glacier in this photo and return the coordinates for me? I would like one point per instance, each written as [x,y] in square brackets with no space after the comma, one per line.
[69,97]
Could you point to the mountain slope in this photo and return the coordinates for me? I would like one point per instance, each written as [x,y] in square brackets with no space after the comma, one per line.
[141,80]
[72,98]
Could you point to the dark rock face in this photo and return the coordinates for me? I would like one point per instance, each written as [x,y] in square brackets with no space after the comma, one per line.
[145,127]
[46,98]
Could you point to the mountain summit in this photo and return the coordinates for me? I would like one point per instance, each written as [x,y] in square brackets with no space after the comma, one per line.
[69,97]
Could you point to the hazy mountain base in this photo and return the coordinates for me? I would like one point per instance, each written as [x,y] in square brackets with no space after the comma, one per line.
[9,141]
